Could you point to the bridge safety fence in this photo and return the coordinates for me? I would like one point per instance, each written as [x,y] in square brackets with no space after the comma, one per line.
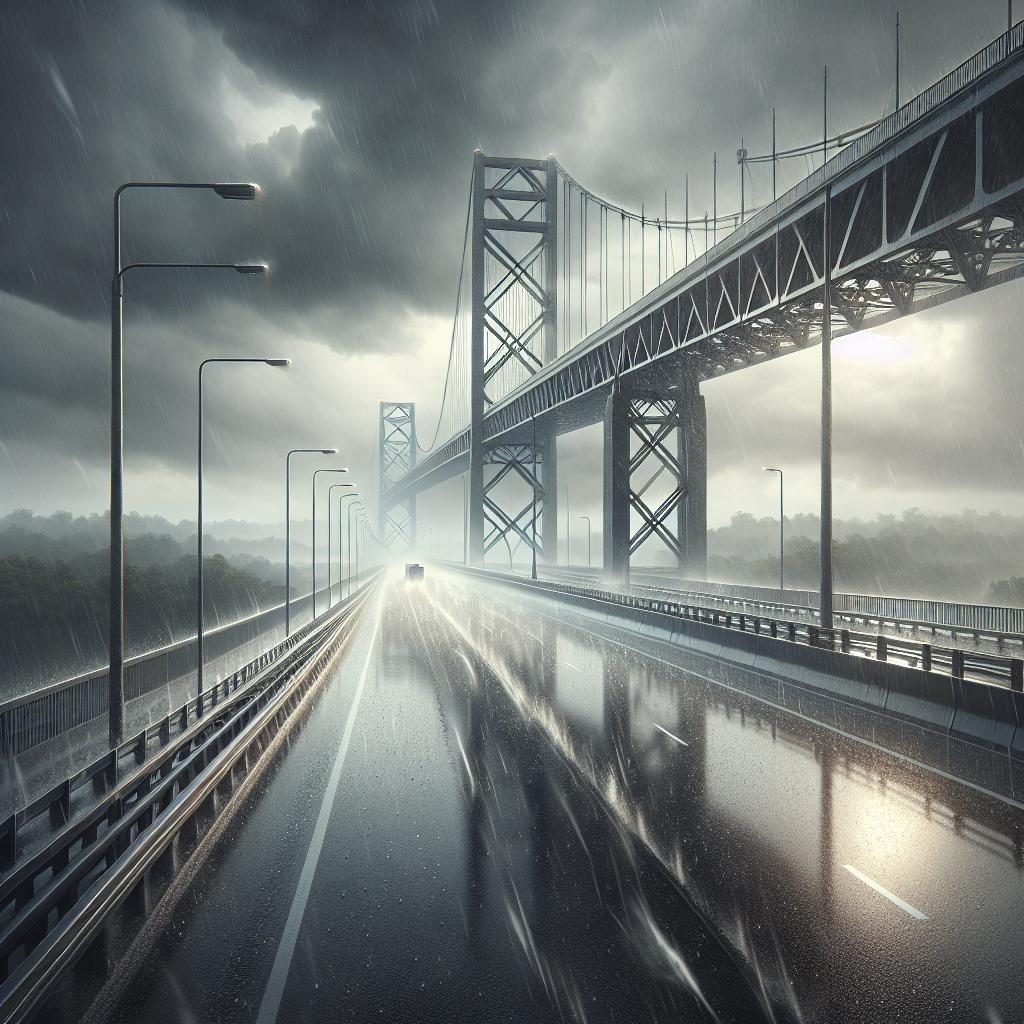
[44,714]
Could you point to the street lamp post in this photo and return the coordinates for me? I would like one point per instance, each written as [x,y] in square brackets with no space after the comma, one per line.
[588,537]
[782,528]
[330,542]
[199,512]
[288,528]
[316,473]
[343,552]
[351,507]
[533,528]
[115,672]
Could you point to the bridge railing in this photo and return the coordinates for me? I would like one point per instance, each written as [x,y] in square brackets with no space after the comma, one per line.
[957,663]
[33,718]
[899,120]
[103,772]
[997,621]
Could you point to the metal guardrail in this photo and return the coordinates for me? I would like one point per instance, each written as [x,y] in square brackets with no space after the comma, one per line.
[51,711]
[54,905]
[1000,622]
[957,663]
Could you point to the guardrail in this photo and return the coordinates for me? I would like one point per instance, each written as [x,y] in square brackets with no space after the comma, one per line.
[955,662]
[998,621]
[54,905]
[51,711]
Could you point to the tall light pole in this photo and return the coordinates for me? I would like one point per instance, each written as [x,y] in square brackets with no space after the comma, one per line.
[351,507]
[465,522]
[330,541]
[288,528]
[200,630]
[568,553]
[316,473]
[342,550]
[782,528]
[588,537]
[533,529]
[115,673]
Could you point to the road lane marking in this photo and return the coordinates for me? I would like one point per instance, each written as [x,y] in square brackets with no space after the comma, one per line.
[882,891]
[271,1002]
[670,735]
[575,668]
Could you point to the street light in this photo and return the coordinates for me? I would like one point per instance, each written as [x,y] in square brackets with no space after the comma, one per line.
[199,512]
[782,575]
[330,538]
[533,528]
[588,537]
[288,528]
[115,672]
[351,507]
[316,473]
[341,549]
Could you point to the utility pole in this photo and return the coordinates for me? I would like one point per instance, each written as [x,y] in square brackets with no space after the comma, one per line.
[898,58]
[824,130]
[774,160]
[714,199]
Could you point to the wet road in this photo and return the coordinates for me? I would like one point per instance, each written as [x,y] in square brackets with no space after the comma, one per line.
[491,815]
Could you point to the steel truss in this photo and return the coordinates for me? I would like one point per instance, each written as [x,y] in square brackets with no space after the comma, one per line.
[654,427]
[507,463]
[397,458]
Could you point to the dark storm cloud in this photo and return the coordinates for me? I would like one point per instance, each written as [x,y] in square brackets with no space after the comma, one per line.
[363,212]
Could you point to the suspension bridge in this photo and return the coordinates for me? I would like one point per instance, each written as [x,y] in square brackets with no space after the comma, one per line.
[571,311]
[631,794]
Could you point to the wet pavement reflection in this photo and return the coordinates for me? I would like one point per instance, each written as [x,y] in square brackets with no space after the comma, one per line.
[532,823]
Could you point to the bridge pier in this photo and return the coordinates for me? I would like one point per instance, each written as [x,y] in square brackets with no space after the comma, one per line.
[655,473]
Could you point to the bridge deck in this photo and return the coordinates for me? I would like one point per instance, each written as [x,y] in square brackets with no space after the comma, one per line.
[491,815]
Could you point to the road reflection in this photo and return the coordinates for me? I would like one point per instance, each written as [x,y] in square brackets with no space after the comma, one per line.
[851,880]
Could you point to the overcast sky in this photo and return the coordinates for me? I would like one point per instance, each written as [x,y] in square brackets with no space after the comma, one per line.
[359,121]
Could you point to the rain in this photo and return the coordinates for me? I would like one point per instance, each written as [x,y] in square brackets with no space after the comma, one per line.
[511,512]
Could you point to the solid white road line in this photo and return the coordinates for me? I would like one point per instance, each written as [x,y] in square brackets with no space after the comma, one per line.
[575,668]
[882,891]
[670,735]
[282,962]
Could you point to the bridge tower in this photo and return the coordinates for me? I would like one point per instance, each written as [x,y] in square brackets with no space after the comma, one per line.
[513,335]
[396,456]
[655,475]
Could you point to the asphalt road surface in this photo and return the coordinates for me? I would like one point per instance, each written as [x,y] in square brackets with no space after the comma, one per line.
[491,815]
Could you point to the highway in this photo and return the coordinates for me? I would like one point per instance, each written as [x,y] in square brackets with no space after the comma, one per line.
[492,814]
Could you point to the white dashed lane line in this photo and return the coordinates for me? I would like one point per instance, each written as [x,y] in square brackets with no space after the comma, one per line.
[671,735]
[882,891]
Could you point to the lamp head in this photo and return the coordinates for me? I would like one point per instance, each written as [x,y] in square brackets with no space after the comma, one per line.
[252,268]
[329,451]
[236,189]
[278,362]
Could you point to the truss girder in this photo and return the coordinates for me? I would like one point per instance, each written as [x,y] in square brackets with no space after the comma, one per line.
[397,459]
[654,425]
[924,209]
[523,525]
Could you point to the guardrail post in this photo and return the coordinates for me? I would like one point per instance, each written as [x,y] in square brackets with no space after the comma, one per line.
[812,635]
[926,657]
[957,663]
[881,648]
[774,628]
[9,843]
[844,640]
[791,627]
[1017,674]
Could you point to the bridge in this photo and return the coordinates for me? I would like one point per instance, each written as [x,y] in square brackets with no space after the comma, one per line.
[922,209]
[618,794]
